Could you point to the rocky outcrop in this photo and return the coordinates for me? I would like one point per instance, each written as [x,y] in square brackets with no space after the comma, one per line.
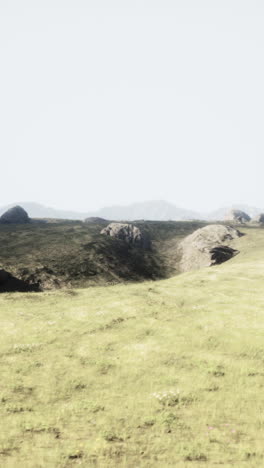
[15,215]
[259,219]
[8,283]
[46,278]
[207,246]
[127,232]
[95,220]
[237,216]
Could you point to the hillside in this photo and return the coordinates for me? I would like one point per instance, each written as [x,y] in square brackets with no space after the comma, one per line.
[75,254]
[158,374]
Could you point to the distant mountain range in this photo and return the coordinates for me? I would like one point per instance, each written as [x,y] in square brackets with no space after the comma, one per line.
[151,210]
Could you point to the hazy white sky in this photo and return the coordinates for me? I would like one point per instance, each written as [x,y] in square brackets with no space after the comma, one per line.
[115,101]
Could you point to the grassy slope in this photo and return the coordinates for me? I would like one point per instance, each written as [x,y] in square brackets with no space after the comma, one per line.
[74,253]
[85,374]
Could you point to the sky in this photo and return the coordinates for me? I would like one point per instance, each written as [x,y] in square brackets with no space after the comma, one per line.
[112,102]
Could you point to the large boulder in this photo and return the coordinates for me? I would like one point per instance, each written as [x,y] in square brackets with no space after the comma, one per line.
[15,215]
[237,216]
[259,219]
[207,246]
[127,232]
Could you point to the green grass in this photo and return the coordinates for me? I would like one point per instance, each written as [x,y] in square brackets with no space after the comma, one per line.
[157,374]
[75,254]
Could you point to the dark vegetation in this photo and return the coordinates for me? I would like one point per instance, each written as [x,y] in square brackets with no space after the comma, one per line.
[8,283]
[76,254]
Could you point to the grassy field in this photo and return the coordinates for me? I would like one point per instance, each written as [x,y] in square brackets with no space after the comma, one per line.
[158,374]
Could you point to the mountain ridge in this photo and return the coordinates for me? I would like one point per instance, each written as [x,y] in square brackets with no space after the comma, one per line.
[158,210]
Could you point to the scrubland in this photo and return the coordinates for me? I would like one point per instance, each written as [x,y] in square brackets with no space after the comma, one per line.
[75,254]
[157,374]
